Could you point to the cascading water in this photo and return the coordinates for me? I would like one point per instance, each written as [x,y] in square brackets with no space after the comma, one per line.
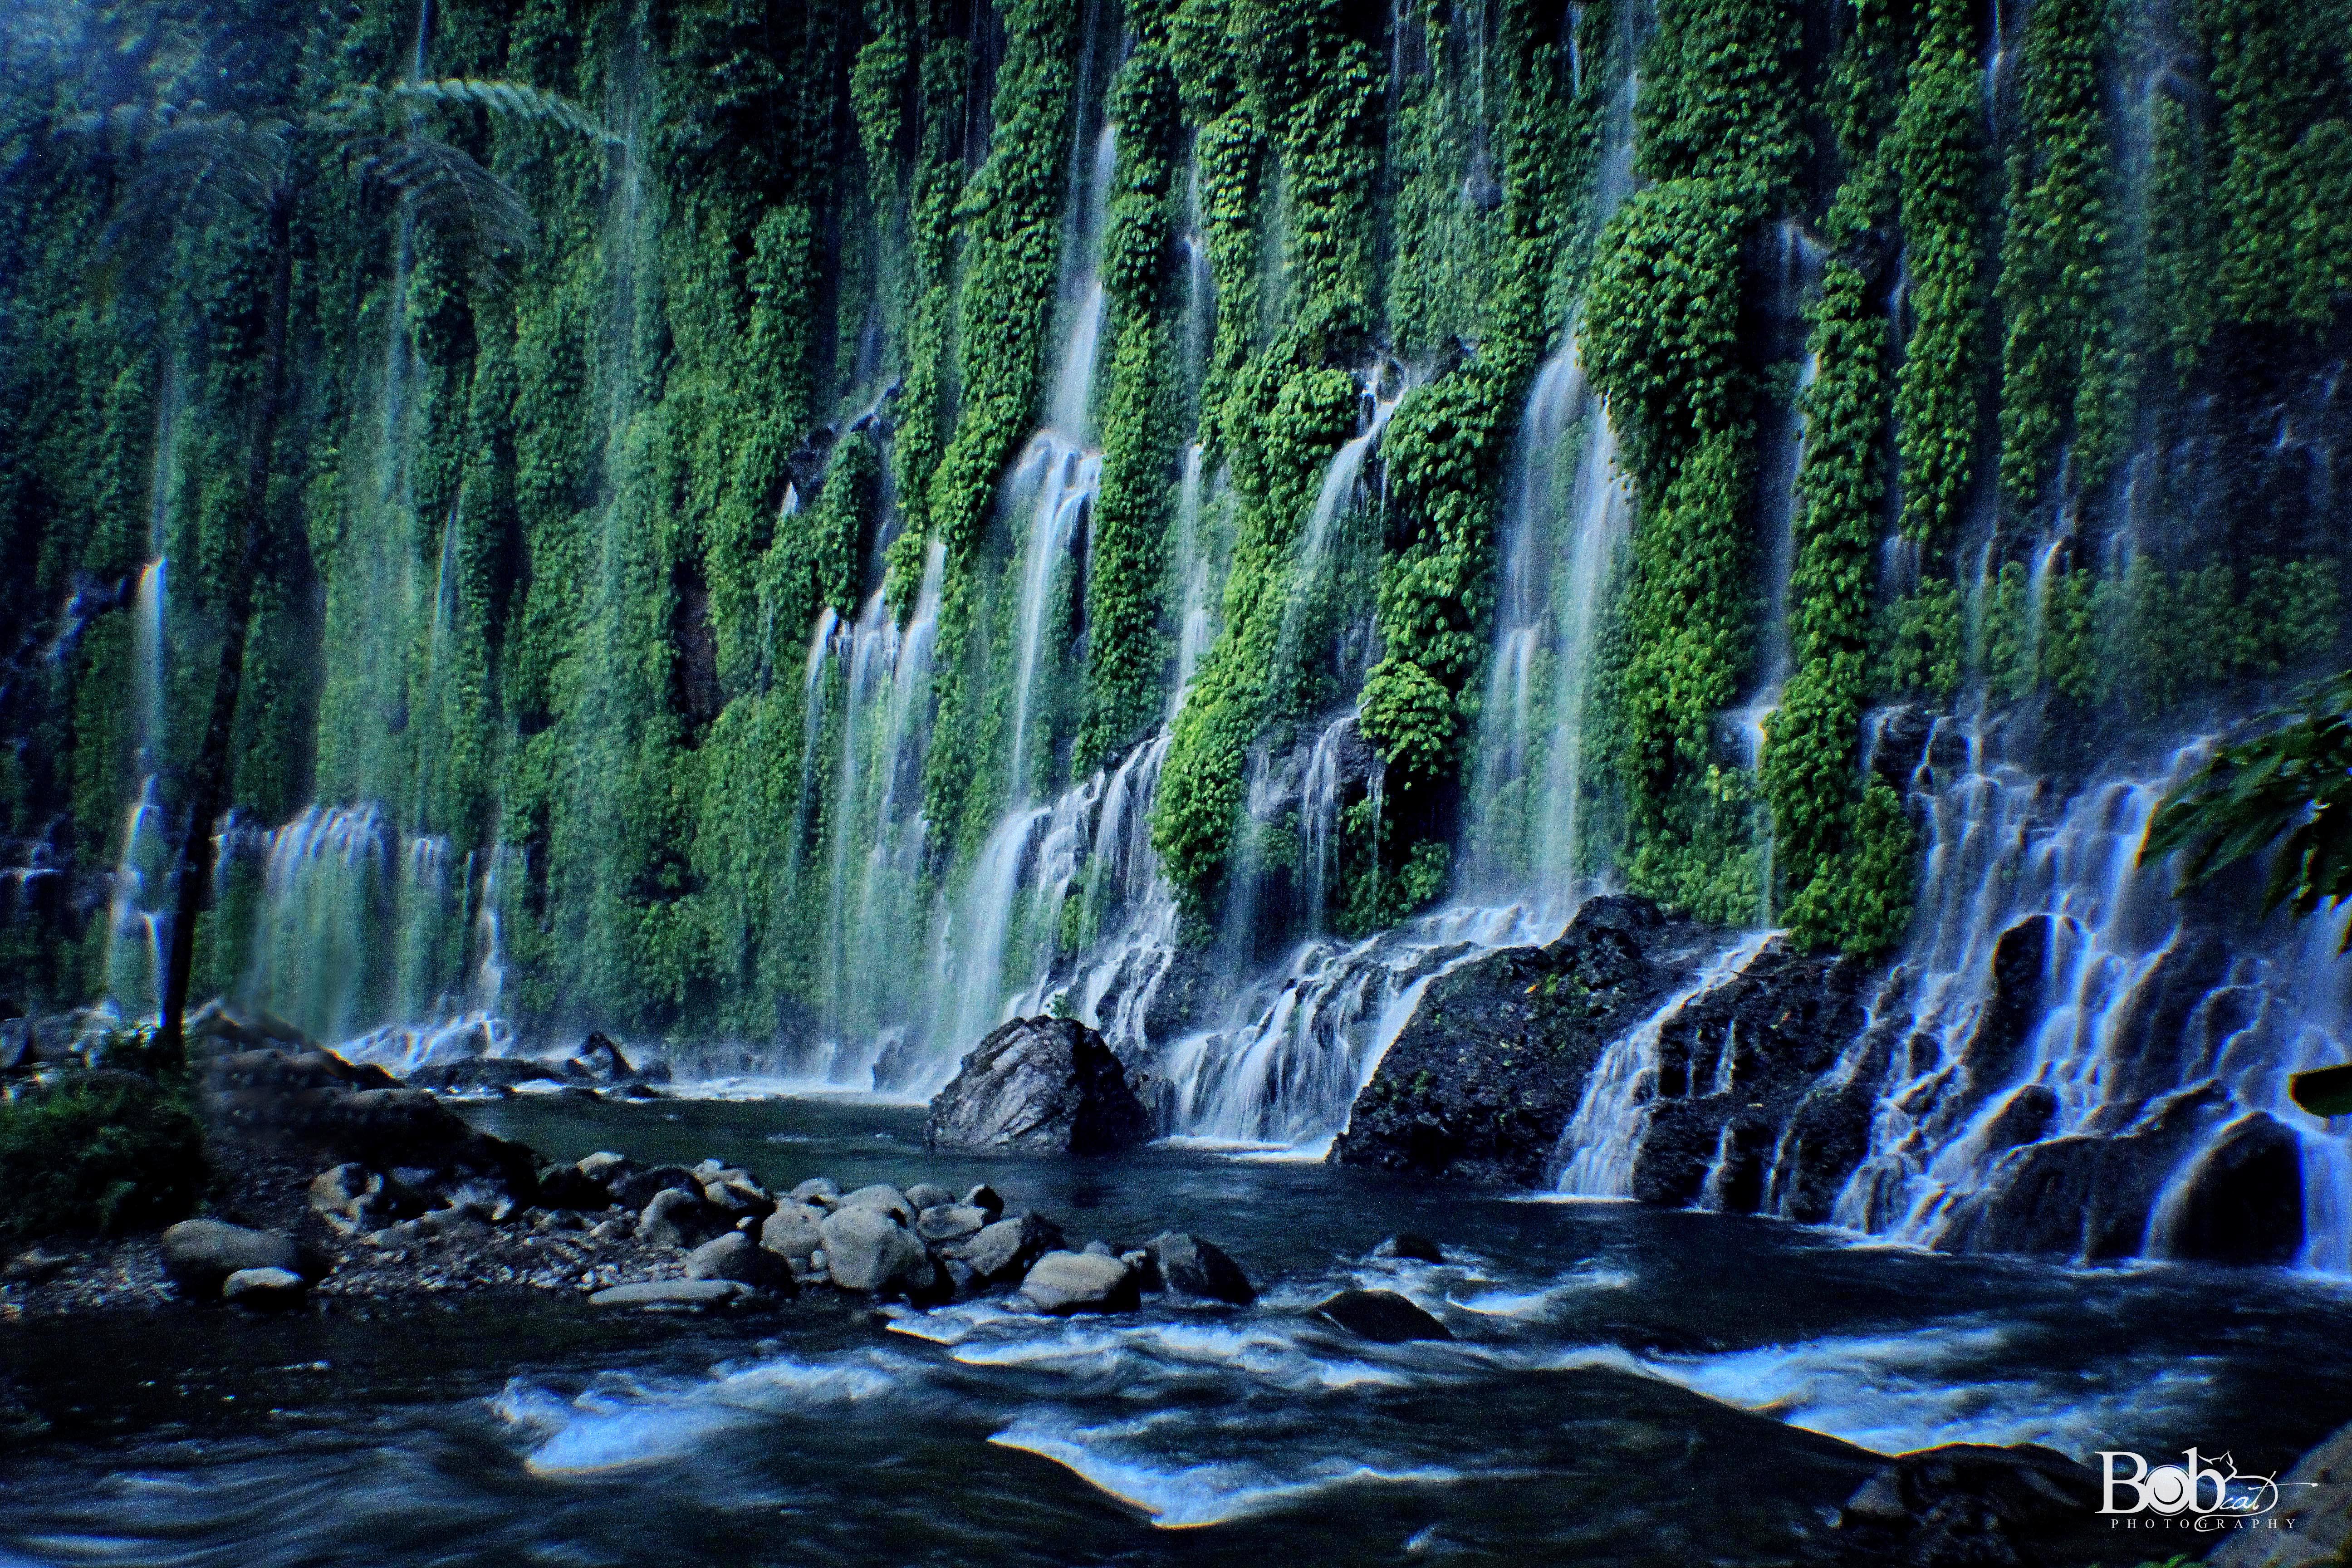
[2053,1000]
[869,994]
[138,918]
[1337,496]
[1196,626]
[1064,479]
[1598,1146]
[1055,486]
[1295,1048]
[363,934]
[1558,552]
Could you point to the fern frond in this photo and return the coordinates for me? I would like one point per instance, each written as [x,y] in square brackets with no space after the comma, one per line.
[193,168]
[509,100]
[453,195]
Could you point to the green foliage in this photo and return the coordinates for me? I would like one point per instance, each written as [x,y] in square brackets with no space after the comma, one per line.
[838,527]
[1662,322]
[1229,153]
[1688,626]
[1716,103]
[1862,97]
[1920,649]
[2287,793]
[1013,240]
[1285,418]
[2146,640]
[1834,845]
[109,1151]
[930,285]
[1445,446]
[1938,139]
[2284,160]
[1139,417]
[2061,371]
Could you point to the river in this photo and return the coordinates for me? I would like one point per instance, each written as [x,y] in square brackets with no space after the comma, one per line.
[1627,1386]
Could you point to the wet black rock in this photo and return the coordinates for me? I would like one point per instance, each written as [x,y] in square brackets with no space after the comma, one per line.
[1493,1062]
[1381,1315]
[1737,1064]
[2244,1198]
[1189,1266]
[2086,1194]
[1041,1086]
[472,1075]
[1412,1245]
[1970,1505]
[600,1058]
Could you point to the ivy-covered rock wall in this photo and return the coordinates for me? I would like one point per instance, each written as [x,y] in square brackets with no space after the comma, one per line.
[642,360]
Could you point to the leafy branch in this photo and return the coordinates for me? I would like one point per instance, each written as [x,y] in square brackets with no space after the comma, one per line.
[2289,791]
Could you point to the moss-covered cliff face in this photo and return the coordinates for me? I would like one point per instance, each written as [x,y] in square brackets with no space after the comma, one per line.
[908,429]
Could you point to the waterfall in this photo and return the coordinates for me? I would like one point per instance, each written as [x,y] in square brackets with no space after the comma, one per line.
[1296,1048]
[137,922]
[342,891]
[1598,1146]
[868,994]
[1063,480]
[1194,624]
[1332,501]
[1554,590]
[811,727]
[138,918]
[2053,997]
[1318,814]
[1124,971]
[1053,484]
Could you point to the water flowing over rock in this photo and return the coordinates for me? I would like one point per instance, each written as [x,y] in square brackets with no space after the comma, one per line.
[1047,1085]
[2066,1062]
[1483,1079]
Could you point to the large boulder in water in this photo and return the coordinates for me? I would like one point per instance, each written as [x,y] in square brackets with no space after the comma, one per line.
[1063,1283]
[2244,1198]
[1491,1064]
[1738,1065]
[868,1248]
[1381,1315]
[1042,1085]
[1191,1267]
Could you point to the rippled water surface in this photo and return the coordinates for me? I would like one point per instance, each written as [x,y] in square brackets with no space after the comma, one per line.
[1627,1386]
